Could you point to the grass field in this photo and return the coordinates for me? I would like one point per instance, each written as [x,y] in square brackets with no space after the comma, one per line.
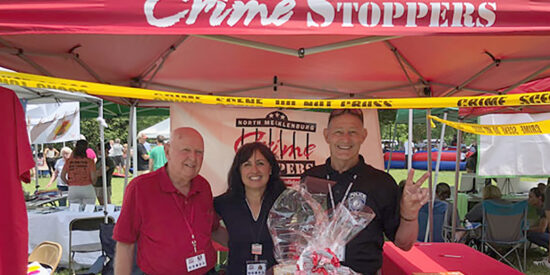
[398,174]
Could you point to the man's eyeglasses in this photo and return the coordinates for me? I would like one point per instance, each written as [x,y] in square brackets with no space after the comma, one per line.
[338,112]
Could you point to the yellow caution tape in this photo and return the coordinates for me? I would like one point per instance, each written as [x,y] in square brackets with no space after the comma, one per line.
[519,129]
[432,124]
[37,81]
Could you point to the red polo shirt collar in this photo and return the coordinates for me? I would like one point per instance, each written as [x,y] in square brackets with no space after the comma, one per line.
[166,185]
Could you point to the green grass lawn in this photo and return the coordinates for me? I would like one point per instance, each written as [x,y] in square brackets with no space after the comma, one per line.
[398,174]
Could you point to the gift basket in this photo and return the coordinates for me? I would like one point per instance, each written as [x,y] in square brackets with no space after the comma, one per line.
[309,239]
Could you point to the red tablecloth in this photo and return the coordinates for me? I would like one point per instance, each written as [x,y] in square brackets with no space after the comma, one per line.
[440,257]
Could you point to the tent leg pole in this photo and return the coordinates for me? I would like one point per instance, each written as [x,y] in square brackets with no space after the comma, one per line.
[103,159]
[431,206]
[457,182]
[129,142]
[410,138]
[439,150]
[36,184]
[134,142]
[391,146]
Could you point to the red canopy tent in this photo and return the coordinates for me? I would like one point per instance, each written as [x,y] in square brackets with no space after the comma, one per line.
[282,49]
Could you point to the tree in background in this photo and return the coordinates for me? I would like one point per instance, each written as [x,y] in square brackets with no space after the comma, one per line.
[387,118]
[118,127]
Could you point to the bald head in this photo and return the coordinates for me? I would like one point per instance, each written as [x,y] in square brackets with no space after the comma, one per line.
[185,132]
[184,154]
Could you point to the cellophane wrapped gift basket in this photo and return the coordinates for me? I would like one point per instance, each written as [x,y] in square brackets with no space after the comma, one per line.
[309,239]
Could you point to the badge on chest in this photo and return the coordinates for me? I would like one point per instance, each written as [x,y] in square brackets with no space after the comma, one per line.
[256,267]
[196,261]
[357,201]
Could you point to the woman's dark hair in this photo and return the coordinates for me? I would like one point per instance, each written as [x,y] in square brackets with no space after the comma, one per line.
[107,147]
[234,178]
[80,148]
[536,191]
[443,191]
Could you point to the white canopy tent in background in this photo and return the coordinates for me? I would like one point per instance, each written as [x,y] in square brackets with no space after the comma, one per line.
[53,122]
[161,128]
[34,95]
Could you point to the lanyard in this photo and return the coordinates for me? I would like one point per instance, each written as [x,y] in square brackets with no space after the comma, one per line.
[193,241]
[347,190]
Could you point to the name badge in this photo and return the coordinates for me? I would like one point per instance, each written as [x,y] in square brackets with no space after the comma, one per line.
[256,267]
[256,249]
[196,262]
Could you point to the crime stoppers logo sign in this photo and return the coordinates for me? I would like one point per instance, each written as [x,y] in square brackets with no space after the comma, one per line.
[288,139]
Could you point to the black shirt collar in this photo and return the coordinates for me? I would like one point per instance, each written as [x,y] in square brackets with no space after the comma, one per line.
[352,171]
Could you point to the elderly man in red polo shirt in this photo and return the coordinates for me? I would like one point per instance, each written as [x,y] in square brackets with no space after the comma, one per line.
[169,214]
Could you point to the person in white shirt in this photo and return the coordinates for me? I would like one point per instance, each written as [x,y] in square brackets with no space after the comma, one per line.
[58,167]
[116,155]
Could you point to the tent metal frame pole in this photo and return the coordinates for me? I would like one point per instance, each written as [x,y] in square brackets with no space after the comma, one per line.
[464,88]
[134,141]
[528,78]
[180,89]
[314,89]
[250,44]
[457,182]
[76,57]
[386,89]
[103,158]
[429,149]
[243,90]
[401,59]
[130,145]
[35,65]
[440,149]
[525,59]
[410,138]
[12,49]
[459,87]
[347,44]
[155,65]
[22,54]
[302,52]
[392,136]
[36,184]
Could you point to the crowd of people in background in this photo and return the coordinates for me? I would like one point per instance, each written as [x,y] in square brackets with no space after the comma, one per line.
[83,176]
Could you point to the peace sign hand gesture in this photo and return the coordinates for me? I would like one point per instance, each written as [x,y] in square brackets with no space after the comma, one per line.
[413,196]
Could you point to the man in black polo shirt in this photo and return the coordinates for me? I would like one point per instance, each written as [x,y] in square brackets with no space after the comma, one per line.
[396,215]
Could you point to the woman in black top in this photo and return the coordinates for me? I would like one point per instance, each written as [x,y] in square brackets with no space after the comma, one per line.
[254,185]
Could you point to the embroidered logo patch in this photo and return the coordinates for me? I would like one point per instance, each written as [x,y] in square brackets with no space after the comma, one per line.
[356,201]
